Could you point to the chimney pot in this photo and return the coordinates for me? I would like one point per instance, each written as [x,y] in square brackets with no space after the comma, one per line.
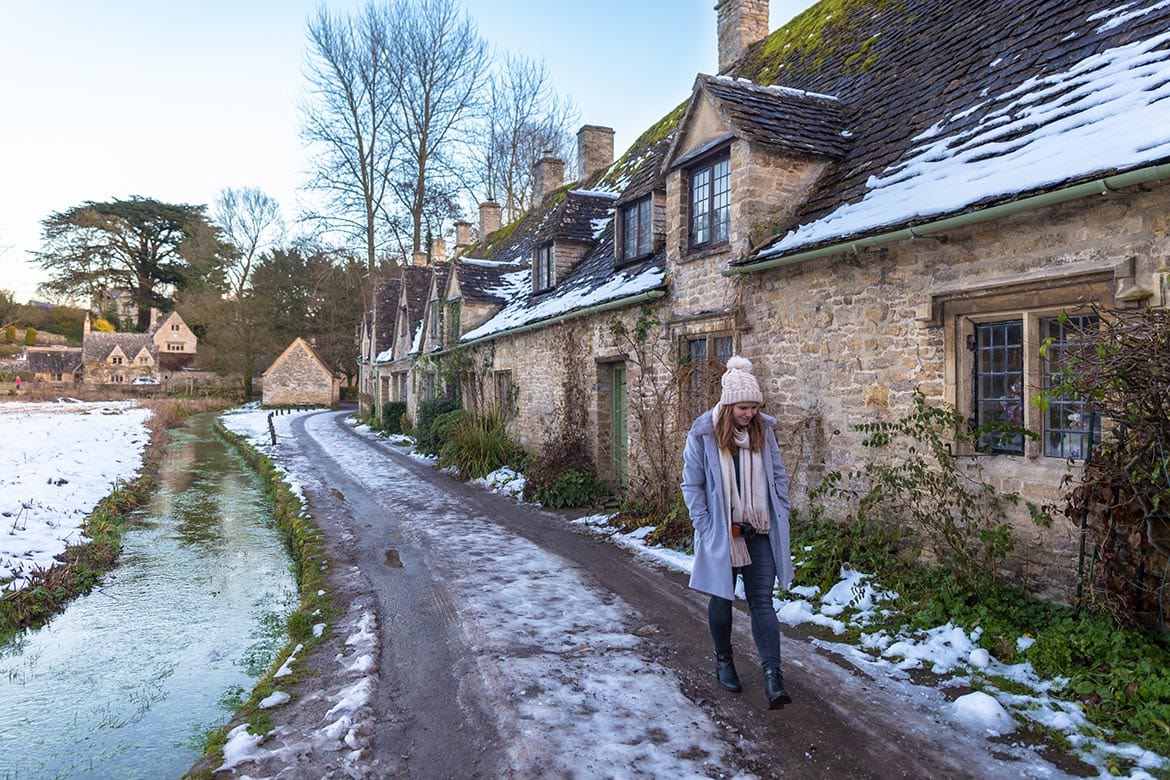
[594,149]
[548,174]
[438,250]
[741,23]
[462,236]
[489,218]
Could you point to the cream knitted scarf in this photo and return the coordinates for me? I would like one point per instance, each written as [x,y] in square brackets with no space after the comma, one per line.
[745,501]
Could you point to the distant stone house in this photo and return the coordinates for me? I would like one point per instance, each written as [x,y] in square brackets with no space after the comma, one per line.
[872,201]
[55,365]
[299,378]
[120,358]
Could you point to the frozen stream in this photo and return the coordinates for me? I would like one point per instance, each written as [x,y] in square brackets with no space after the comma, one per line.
[127,681]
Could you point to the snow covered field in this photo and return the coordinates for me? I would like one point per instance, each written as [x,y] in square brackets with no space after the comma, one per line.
[57,461]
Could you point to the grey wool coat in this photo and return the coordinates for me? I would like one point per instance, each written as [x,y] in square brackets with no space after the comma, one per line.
[702,489]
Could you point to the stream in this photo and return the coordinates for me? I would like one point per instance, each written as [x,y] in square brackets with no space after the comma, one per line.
[130,679]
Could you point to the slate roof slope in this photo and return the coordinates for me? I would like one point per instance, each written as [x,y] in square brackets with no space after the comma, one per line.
[54,361]
[97,346]
[593,282]
[417,282]
[637,171]
[389,293]
[480,280]
[953,107]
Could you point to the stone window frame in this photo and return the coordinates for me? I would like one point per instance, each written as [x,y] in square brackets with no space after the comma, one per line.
[399,382]
[708,163]
[433,321]
[1029,301]
[713,330]
[642,212]
[543,268]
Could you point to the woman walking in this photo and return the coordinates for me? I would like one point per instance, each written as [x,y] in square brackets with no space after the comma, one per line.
[736,491]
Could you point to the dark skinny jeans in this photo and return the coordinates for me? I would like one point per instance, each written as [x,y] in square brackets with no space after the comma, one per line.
[759,582]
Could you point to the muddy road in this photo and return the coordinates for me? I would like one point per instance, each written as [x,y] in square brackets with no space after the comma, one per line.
[506,641]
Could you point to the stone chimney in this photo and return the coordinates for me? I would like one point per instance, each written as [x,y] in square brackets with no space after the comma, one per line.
[419,258]
[594,149]
[489,218]
[741,23]
[462,236]
[438,250]
[548,174]
[86,327]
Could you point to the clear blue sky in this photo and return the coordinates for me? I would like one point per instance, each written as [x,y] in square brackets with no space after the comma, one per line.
[178,100]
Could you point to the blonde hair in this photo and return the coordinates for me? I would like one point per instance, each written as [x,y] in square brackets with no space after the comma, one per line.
[725,430]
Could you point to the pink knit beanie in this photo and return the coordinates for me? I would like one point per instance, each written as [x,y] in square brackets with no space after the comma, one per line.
[739,384]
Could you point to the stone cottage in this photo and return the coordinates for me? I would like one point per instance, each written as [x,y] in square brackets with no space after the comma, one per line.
[872,201]
[299,378]
[55,365]
[120,358]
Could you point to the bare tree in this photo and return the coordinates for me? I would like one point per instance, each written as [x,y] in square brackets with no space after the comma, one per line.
[348,119]
[523,120]
[251,222]
[440,65]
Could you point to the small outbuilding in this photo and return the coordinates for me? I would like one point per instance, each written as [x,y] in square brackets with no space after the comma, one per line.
[299,378]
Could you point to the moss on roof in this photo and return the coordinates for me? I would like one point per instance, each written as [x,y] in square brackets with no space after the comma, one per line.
[830,28]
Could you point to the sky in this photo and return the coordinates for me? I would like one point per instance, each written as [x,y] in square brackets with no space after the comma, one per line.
[177,101]
[498,599]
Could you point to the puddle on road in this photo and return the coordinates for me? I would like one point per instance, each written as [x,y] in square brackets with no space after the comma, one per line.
[393,559]
[129,679]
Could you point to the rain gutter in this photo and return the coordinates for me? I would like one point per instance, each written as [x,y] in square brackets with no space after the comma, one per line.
[1151,174]
[620,303]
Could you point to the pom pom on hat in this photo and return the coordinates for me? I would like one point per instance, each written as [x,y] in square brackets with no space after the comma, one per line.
[739,383]
[739,363]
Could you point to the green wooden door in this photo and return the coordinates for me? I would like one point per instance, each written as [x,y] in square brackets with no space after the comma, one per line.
[617,415]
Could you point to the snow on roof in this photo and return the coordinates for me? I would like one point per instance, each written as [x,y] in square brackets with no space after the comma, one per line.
[1089,117]
[522,309]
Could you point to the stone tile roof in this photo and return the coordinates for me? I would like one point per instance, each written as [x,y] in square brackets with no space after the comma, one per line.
[953,107]
[480,280]
[417,285]
[388,294]
[54,361]
[593,282]
[780,117]
[578,215]
[96,346]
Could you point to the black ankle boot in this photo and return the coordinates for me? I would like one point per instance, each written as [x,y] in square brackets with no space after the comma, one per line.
[725,673]
[774,689]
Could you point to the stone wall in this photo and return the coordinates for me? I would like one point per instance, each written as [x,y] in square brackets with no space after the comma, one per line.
[842,341]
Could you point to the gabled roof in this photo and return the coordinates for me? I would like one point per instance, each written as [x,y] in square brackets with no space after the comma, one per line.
[955,107]
[299,345]
[97,346]
[579,215]
[781,118]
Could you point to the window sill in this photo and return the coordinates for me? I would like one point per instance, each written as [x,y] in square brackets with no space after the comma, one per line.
[706,252]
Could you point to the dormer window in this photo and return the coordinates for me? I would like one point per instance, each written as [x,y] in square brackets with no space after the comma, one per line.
[636,229]
[435,318]
[710,203]
[543,269]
